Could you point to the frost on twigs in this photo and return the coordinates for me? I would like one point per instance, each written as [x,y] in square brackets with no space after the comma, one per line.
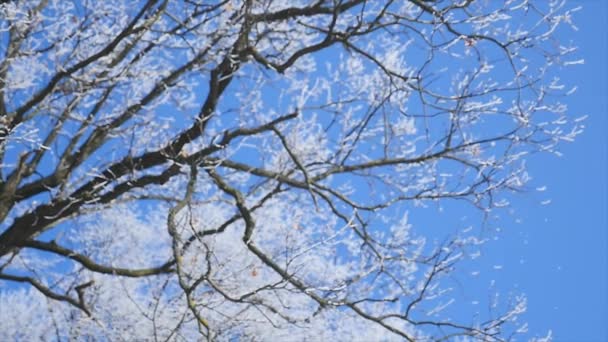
[260,170]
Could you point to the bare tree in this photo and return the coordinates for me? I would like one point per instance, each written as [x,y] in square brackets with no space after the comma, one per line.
[244,169]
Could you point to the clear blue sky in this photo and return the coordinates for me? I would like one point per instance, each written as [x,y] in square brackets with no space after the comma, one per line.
[558,253]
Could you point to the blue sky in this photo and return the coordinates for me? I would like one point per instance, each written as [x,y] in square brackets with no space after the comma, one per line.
[558,254]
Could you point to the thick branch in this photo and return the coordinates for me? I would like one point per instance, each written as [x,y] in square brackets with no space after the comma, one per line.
[91,265]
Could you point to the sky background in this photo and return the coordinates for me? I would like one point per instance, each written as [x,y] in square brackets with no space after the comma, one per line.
[557,254]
